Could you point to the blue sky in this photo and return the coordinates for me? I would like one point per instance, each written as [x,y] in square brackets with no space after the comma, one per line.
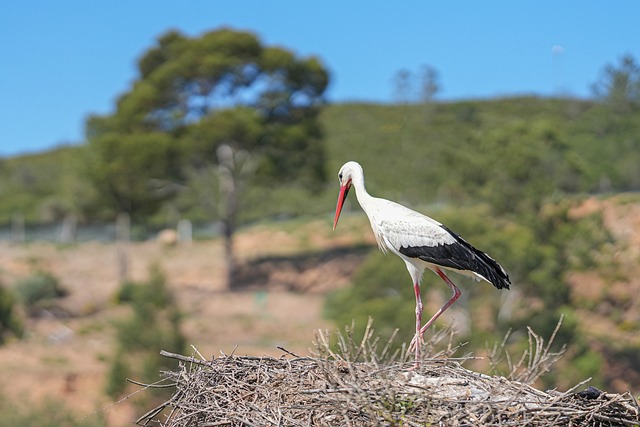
[63,60]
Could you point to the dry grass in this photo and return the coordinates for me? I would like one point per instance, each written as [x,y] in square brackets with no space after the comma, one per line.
[364,383]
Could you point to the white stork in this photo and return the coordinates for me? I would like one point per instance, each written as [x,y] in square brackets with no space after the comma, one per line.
[421,242]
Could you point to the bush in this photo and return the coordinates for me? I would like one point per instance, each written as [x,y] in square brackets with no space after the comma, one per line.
[50,413]
[37,291]
[9,322]
[115,384]
[381,289]
[154,325]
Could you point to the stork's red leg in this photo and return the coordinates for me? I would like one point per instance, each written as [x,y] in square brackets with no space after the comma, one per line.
[456,295]
[417,339]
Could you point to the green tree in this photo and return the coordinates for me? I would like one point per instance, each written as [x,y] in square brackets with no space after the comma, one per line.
[224,87]
[130,171]
[195,95]
[619,86]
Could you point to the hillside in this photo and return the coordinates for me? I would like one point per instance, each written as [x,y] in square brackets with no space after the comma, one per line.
[512,153]
[547,186]
[605,296]
[67,355]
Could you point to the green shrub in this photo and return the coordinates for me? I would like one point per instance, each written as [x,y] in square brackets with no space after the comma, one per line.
[154,325]
[126,292]
[381,289]
[38,291]
[50,413]
[118,371]
[9,322]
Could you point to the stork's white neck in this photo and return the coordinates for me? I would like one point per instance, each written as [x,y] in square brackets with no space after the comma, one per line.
[369,206]
[364,198]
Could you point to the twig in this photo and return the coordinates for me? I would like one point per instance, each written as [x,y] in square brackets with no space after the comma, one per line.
[198,353]
[154,385]
[290,353]
[188,359]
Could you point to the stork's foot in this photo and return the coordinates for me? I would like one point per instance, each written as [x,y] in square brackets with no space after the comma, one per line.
[416,342]
[414,346]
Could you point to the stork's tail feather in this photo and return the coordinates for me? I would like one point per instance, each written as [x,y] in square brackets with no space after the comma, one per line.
[492,271]
[484,265]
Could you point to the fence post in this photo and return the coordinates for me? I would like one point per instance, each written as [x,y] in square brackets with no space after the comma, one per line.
[185,231]
[123,237]
[17,228]
[69,229]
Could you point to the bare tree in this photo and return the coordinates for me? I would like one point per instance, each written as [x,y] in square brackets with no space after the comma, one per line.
[429,87]
[234,169]
[429,84]
[402,85]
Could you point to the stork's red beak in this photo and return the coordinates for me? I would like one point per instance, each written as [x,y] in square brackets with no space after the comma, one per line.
[344,190]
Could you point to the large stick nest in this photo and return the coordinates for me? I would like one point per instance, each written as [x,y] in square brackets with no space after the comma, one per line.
[334,390]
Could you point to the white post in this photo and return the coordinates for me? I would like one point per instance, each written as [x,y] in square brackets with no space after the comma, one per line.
[17,228]
[185,231]
[123,237]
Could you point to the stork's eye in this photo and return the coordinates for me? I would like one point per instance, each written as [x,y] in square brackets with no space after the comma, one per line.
[340,176]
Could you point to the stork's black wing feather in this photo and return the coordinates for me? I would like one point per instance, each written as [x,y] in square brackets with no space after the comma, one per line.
[461,255]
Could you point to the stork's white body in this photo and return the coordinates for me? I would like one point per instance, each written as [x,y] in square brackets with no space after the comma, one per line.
[421,242]
[396,226]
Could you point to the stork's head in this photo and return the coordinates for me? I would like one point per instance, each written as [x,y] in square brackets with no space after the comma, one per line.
[348,172]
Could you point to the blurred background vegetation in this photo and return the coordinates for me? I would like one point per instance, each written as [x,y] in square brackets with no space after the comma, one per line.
[221,128]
